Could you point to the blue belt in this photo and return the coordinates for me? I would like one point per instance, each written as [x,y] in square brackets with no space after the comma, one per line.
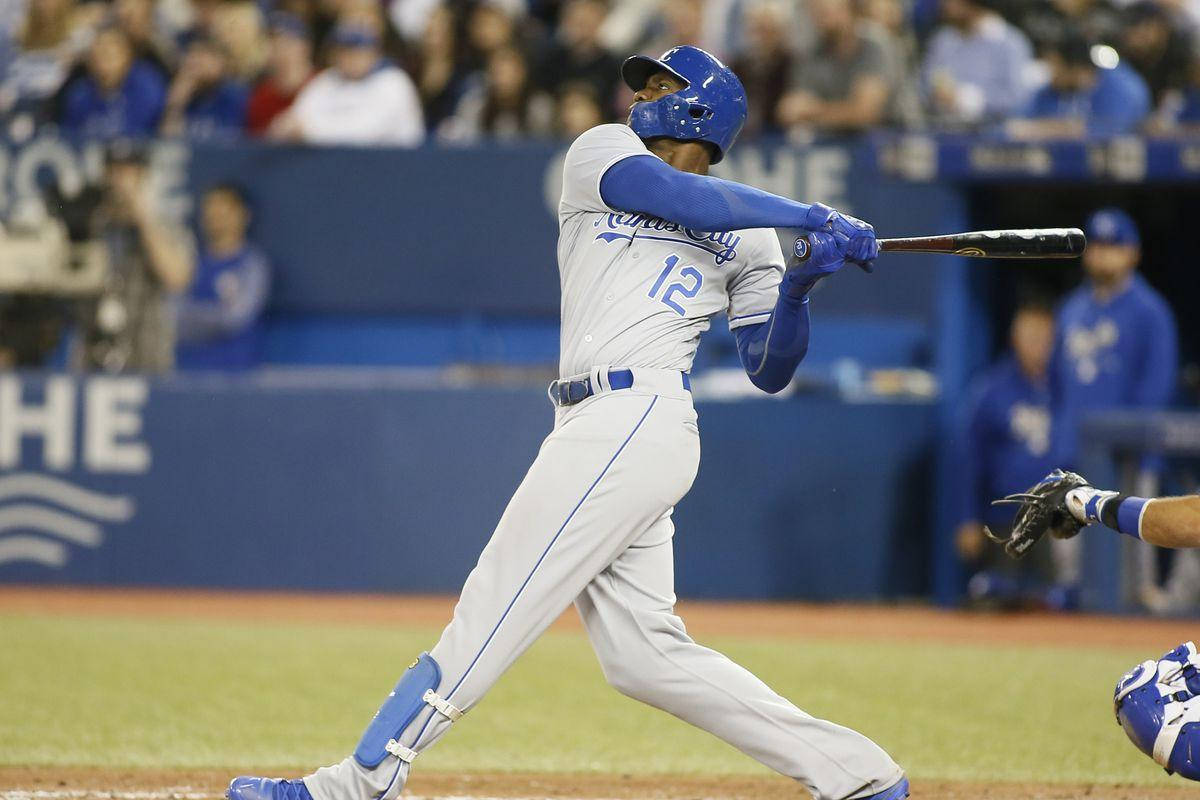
[568,393]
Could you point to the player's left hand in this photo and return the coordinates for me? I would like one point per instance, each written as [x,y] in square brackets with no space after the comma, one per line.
[855,237]
[1043,509]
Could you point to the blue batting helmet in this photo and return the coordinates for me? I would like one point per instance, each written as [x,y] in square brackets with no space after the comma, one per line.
[1158,705]
[710,108]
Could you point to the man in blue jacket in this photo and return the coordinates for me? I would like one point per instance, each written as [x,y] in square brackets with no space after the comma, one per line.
[1116,348]
[219,317]
[1006,442]
[1117,343]
[118,96]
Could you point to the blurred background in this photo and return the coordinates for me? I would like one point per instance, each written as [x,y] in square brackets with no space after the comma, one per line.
[279,301]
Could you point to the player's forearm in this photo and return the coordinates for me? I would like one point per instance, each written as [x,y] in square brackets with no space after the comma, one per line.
[771,350]
[647,185]
[1172,522]
[1163,521]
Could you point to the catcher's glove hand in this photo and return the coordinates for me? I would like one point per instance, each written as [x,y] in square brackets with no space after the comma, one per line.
[1043,509]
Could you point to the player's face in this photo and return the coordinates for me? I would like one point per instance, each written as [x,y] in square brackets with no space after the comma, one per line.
[658,85]
[1033,340]
[1108,264]
[223,216]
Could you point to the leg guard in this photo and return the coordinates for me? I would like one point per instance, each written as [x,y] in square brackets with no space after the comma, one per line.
[1158,705]
[416,689]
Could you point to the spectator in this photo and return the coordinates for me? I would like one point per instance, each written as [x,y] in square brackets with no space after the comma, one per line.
[441,74]
[977,65]
[129,326]
[843,86]
[1006,447]
[289,68]
[117,96]
[362,99]
[136,18]
[47,42]
[765,64]
[676,22]
[503,106]
[1051,22]
[203,102]
[238,27]
[489,27]
[578,111]
[1157,49]
[888,22]
[412,18]
[218,319]
[1090,93]
[1185,118]
[576,55]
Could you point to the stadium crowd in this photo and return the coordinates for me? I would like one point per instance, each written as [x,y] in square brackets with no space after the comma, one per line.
[403,71]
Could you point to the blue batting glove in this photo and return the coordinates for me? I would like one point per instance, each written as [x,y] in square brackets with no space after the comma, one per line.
[860,246]
[815,256]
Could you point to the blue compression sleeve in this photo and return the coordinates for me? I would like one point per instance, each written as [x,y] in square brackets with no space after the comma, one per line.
[772,350]
[648,185]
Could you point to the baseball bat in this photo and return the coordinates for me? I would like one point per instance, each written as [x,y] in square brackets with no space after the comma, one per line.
[1028,243]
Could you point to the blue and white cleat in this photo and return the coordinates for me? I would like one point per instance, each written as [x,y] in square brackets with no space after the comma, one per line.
[897,791]
[247,787]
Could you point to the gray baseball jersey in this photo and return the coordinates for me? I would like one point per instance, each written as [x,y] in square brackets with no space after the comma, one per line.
[591,521]
[638,291]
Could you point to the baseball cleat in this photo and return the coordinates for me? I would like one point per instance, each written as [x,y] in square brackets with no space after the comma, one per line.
[247,787]
[897,791]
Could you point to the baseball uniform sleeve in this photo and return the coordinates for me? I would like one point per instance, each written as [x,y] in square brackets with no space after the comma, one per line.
[754,290]
[588,159]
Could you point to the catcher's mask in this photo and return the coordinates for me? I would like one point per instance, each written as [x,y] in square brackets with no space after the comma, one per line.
[1158,705]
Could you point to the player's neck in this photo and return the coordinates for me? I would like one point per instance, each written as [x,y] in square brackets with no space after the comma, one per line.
[1109,289]
[684,156]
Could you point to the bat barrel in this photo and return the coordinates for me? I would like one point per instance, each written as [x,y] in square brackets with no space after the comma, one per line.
[1028,243]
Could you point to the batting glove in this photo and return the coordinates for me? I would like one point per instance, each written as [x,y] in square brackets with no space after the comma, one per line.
[815,256]
[855,237]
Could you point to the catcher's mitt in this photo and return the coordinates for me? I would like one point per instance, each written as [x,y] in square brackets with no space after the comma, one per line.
[1043,509]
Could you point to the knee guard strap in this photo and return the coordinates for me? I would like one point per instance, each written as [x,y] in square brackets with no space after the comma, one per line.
[416,689]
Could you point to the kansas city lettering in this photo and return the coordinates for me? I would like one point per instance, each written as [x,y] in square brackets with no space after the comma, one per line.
[723,244]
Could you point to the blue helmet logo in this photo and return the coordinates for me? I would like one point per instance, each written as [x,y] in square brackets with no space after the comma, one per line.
[710,108]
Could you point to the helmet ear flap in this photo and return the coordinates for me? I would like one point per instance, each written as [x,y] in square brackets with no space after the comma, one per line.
[699,112]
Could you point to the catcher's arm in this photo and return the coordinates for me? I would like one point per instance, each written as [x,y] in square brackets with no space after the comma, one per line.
[1171,521]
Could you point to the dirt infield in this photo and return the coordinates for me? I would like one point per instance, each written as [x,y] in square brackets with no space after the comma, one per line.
[784,620]
[906,623]
[79,784]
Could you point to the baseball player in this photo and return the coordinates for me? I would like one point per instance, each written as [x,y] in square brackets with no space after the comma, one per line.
[650,248]
[1157,702]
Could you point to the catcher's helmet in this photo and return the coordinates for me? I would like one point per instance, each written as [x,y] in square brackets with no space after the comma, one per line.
[711,108]
[1158,705]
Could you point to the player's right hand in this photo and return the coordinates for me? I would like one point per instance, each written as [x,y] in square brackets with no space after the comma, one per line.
[856,239]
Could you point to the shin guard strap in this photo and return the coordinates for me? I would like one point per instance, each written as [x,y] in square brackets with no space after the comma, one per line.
[444,708]
[400,751]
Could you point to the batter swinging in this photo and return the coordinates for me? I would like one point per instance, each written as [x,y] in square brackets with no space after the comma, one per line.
[650,248]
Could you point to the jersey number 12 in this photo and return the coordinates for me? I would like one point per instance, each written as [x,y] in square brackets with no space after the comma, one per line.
[681,287]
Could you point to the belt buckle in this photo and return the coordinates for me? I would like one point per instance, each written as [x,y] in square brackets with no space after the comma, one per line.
[584,389]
